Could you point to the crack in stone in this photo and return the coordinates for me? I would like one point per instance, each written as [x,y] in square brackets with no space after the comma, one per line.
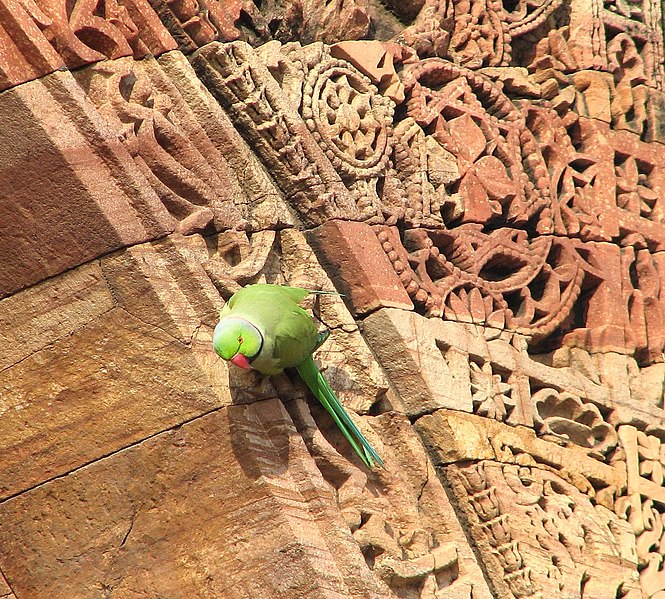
[111,454]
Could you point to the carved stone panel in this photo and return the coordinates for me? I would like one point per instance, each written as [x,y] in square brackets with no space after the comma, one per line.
[42,36]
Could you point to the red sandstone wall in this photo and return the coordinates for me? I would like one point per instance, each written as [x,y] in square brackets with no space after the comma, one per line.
[482,180]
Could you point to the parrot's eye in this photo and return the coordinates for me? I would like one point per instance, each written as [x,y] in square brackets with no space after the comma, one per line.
[240,340]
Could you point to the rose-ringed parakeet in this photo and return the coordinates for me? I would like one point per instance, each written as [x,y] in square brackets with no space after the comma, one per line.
[263,327]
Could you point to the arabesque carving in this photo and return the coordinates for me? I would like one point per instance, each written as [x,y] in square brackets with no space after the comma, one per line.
[167,143]
[483,183]
[547,538]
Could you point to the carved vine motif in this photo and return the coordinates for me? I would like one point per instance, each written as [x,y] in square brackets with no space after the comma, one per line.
[168,146]
[566,536]
[470,118]
[498,278]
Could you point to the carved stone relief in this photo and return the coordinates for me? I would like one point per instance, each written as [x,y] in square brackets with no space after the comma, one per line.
[167,143]
[483,182]
[545,535]
[42,36]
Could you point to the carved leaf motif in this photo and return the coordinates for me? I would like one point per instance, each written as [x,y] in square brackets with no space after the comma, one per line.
[564,416]
[494,178]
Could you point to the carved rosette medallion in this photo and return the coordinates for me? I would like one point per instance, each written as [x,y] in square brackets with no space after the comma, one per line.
[352,123]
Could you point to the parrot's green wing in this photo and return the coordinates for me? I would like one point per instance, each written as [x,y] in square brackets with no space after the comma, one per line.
[321,389]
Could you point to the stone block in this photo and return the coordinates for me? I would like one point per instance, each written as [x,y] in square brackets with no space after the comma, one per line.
[43,314]
[110,383]
[70,191]
[406,346]
[452,436]
[163,284]
[353,257]
[228,505]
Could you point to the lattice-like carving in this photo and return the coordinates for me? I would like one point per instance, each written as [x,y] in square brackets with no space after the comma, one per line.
[562,545]
[499,278]
[644,506]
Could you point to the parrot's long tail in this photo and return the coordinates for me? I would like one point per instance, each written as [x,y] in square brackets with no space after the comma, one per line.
[320,387]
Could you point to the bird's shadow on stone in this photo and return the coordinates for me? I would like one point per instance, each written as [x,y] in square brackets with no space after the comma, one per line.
[264,421]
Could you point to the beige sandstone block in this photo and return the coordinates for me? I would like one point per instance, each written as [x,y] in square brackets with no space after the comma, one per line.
[453,436]
[228,505]
[32,319]
[110,383]
[406,346]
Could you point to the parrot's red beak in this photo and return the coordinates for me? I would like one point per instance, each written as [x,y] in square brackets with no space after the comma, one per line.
[241,361]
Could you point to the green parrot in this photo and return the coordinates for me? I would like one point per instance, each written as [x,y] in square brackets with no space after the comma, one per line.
[263,327]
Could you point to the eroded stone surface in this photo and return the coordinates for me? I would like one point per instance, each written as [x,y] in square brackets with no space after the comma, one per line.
[486,177]
[119,380]
[91,197]
[179,515]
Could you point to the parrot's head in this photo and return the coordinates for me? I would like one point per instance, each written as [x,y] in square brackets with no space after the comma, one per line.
[237,340]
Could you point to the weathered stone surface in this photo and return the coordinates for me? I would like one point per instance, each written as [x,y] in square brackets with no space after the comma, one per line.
[70,190]
[5,591]
[179,515]
[408,351]
[351,254]
[119,381]
[131,349]
[164,285]
[49,311]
